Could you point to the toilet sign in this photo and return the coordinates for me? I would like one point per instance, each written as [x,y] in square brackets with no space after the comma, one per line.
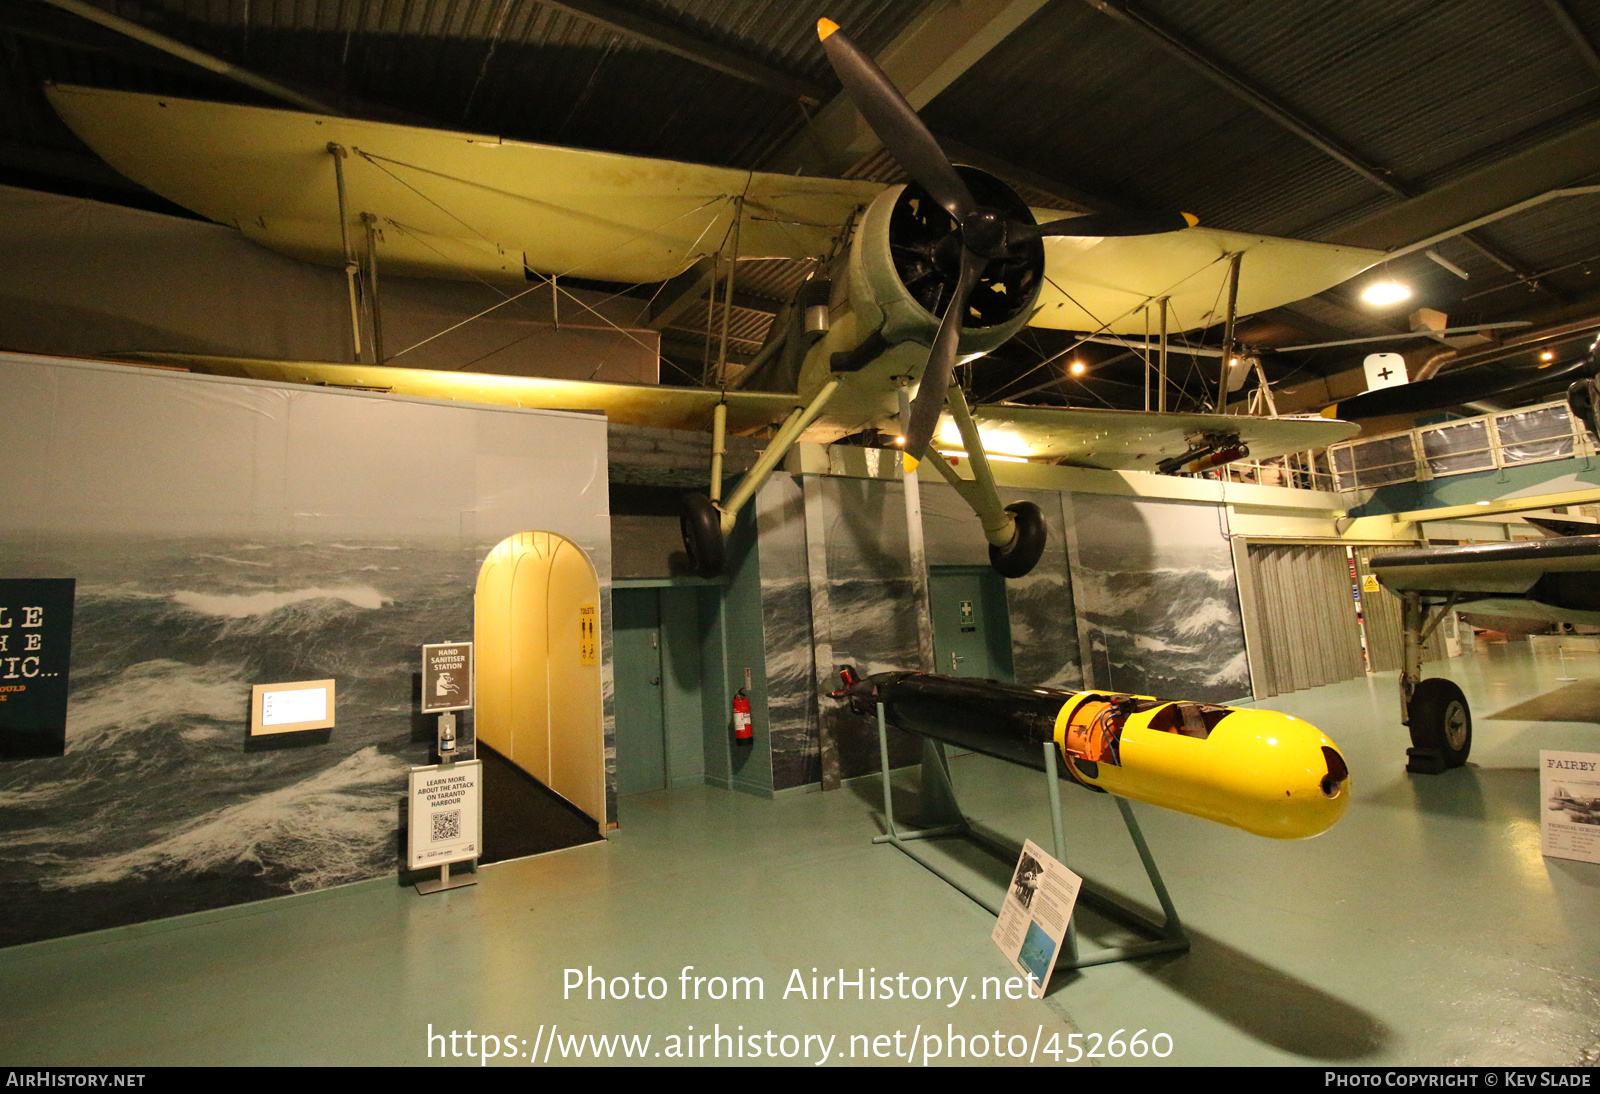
[446,677]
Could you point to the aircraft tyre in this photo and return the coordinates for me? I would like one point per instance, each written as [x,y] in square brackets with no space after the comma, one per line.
[1022,554]
[700,521]
[1440,720]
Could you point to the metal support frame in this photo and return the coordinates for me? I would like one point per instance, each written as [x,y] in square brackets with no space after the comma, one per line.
[352,269]
[1228,347]
[999,526]
[797,423]
[374,315]
[1161,371]
[719,447]
[1168,936]
[916,547]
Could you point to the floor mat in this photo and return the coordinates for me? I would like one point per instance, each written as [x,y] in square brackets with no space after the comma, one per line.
[522,816]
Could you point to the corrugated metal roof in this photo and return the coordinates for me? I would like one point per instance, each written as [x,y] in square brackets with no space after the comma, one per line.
[1425,89]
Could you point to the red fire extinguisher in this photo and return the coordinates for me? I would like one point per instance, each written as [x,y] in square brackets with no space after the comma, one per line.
[742,733]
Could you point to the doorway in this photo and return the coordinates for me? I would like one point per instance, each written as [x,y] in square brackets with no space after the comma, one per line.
[538,647]
[658,665]
[971,625]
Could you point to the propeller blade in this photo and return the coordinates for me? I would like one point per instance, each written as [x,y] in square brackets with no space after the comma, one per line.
[894,121]
[1105,224]
[941,364]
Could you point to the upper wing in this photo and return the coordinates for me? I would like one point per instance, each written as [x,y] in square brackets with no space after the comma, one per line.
[1133,440]
[628,404]
[452,204]
[1095,281]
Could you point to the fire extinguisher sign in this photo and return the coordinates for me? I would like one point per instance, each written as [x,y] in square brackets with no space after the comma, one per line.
[446,677]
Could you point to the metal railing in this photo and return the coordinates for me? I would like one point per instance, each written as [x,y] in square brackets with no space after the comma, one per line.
[1506,438]
[1308,470]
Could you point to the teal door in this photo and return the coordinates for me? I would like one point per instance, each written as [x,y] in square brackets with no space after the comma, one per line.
[636,660]
[971,628]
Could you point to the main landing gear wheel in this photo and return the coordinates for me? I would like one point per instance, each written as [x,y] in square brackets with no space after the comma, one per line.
[700,521]
[1022,554]
[1441,721]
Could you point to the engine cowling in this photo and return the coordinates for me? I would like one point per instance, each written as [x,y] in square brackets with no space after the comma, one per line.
[902,267]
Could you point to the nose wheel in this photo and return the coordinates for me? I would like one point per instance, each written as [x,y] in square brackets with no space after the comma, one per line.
[1441,721]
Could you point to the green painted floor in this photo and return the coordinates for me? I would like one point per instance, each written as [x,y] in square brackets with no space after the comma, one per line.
[1424,929]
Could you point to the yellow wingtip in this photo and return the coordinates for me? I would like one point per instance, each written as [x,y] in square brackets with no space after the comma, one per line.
[825,27]
[910,463]
[1193,220]
[1330,411]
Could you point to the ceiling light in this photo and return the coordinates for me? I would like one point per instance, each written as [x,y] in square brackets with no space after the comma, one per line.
[1386,292]
[1547,355]
[1078,368]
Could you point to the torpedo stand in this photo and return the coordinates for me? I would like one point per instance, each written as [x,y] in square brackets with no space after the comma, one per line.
[937,791]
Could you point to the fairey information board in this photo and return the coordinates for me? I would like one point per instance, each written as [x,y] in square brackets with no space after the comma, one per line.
[35,650]
[446,814]
[1569,785]
[446,677]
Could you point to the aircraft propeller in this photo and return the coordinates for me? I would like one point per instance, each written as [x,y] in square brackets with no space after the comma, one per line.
[986,234]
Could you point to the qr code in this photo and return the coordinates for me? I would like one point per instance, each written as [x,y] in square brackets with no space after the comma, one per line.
[447,826]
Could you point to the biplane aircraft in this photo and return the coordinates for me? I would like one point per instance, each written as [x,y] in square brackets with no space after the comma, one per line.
[908,280]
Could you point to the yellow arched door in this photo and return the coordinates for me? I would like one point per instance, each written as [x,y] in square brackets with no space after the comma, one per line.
[538,647]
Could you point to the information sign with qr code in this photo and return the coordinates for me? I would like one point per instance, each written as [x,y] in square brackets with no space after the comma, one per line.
[446,820]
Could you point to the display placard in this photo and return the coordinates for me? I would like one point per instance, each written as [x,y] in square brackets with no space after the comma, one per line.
[1033,920]
[1569,788]
[446,677]
[35,652]
[291,708]
[446,814]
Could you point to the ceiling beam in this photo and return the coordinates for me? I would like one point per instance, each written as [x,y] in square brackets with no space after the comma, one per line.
[172,46]
[1246,91]
[677,295]
[44,23]
[1580,41]
[665,36]
[926,57]
[1240,88]
[1556,163]
[1067,195]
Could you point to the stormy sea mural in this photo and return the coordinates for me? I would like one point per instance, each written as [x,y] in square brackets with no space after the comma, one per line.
[791,687]
[1155,583]
[161,804]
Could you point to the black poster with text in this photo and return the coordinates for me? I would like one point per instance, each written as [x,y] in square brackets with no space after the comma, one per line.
[35,651]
